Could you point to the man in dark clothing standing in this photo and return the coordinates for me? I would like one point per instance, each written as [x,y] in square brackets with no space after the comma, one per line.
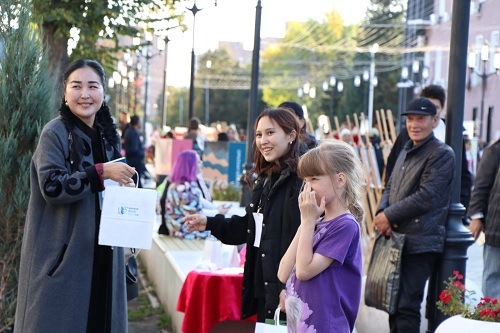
[415,203]
[485,216]
[134,149]
[436,95]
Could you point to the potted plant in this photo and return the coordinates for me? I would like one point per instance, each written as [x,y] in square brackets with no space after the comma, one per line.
[456,301]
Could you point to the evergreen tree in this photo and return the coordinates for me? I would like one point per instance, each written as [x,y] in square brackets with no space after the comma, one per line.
[26,90]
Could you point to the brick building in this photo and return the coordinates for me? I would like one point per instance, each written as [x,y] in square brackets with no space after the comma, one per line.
[484,30]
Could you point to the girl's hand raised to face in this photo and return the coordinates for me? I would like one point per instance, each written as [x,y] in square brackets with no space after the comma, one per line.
[309,209]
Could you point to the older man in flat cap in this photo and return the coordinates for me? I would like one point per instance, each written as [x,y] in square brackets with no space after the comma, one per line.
[415,203]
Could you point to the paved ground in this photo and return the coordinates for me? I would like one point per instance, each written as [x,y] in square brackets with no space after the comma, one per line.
[474,269]
[148,324]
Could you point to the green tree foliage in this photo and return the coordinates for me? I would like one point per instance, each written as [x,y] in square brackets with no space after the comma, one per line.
[97,25]
[310,52]
[26,104]
[228,82]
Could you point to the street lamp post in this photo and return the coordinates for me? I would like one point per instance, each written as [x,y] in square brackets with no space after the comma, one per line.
[357,84]
[147,55]
[252,106]
[458,237]
[207,95]
[194,10]
[334,85]
[485,54]
[373,49]
[117,79]
[308,91]
[164,94]
[409,86]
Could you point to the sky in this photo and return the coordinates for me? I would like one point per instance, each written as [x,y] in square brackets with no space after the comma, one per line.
[234,20]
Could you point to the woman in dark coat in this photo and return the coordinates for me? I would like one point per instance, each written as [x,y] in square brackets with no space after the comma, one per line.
[274,206]
[67,282]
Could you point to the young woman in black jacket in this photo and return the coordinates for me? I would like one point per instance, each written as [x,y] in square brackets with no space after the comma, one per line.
[273,213]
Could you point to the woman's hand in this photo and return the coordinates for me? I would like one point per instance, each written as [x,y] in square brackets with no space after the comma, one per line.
[195,222]
[223,209]
[310,212]
[119,172]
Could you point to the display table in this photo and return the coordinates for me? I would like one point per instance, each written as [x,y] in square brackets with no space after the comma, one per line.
[208,298]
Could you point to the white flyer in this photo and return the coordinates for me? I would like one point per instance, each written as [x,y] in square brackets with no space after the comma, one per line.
[258,218]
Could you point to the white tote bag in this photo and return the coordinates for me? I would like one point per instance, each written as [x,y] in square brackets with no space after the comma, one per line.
[269,328]
[127,217]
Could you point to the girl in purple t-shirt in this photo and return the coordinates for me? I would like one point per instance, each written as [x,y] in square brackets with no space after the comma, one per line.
[322,268]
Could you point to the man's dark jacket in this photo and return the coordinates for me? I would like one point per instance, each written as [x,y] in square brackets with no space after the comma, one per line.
[134,150]
[465,175]
[417,197]
[486,195]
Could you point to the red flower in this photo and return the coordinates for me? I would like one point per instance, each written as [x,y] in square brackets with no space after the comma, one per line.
[459,285]
[458,275]
[455,299]
[445,296]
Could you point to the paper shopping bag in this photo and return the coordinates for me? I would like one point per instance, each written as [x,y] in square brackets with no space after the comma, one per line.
[221,255]
[230,256]
[268,328]
[127,217]
[276,327]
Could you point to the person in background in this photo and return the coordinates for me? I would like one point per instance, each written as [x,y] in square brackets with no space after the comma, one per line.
[134,149]
[242,135]
[67,281]
[374,137]
[484,212]
[222,136]
[308,139]
[195,135]
[183,197]
[123,121]
[345,135]
[232,133]
[470,159]
[273,213]
[437,95]
[169,135]
[415,203]
[322,268]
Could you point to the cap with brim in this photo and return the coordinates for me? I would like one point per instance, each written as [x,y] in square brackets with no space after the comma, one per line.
[421,106]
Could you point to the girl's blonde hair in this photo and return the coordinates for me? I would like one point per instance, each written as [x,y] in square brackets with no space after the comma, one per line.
[330,157]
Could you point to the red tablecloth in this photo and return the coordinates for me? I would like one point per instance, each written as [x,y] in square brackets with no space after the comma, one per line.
[209,298]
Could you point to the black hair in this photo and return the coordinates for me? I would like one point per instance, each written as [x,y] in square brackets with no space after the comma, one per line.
[103,116]
[434,91]
[194,123]
[134,120]
[287,120]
